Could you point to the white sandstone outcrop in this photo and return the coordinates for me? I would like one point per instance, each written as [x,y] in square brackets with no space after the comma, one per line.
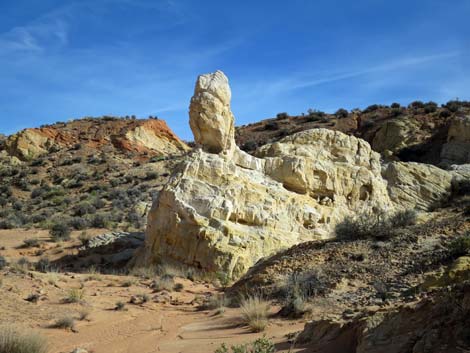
[224,209]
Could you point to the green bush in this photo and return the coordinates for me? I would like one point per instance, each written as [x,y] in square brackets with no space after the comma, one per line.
[459,246]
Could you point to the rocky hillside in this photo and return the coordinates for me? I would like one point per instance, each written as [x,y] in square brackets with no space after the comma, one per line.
[420,132]
[91,172]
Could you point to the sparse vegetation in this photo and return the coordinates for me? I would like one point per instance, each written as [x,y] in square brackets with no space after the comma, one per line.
[74,295]
[65,322]
[261,345]
[254,313]
[163,283]
[459,246]
[84,313]
[120,306]
[379,226]
[60,232]
[14,341]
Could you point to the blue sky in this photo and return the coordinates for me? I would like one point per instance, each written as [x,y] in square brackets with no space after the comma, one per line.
[64,59]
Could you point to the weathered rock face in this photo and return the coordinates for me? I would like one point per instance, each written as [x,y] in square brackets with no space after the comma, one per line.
[210,117]
[417,186]
[224,209]
[29,143]
[149,135]
[457,148]
[437,324]
[395,135]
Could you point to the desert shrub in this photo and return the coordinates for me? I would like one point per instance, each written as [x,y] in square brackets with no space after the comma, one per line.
[395,105]
[74,295]
[3,201]
[394,112]
[151,175]
[99,203]
[83,209]
[416,105]
[261,345]
[78,223]
[250,146]
[371,108]
[31,242]
[43,265]
[84,313]
[65,322]
[14,341]
[378,226]
[254,313]
[178,287]
[272,125]
[461,187]
[3,262]
[283,115]
[84,238]
[120,306]
[214,302]
[404,218]
[430,107]
[341,113]
[60,231]
[163,283]
[459,246]
[453,106]
[100,220]
[445,113]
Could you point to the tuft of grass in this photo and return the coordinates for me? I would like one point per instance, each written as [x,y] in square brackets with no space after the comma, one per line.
[14,341]
[163,283]
[254,313]
[30,243]
[65,322]
[178,287]
[459,246]
[144,272]
[120,306]
[33,298]
[75,295]
[84,314]
[214,302]
[129,283]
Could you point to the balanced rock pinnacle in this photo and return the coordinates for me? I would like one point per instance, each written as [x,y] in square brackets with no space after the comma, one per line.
[224,209]
[210,117]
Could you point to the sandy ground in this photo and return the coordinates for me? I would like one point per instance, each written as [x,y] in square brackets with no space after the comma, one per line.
[173,326]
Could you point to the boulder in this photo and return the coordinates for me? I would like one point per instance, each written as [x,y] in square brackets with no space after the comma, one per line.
[223,209]
[416,185]
[210,117]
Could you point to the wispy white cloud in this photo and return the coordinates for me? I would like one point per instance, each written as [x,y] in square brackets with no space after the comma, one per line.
[385,67]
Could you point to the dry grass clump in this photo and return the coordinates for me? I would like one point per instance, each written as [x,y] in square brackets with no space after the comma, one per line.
[14,341]
[254,312]
[215,302]
[84,314]
[163,283]
[129,282]
[75,295]
[65,322]
[120,306]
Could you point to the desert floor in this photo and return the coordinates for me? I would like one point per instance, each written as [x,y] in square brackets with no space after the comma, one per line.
[167,322]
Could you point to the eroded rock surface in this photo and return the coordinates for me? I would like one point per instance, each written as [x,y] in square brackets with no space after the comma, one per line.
[416,185]
[224,209]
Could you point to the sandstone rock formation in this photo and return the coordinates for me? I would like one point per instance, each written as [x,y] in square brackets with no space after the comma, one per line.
[395,135]
[150,135]
[417,186]
[224,209]
[210,117]
[457,148]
